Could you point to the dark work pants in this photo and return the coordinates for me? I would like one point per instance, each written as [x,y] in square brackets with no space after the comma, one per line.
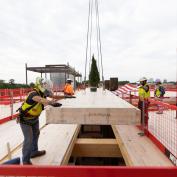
[31,136]
[140,106]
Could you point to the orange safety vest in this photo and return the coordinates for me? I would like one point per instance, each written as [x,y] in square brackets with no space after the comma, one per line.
[68,89]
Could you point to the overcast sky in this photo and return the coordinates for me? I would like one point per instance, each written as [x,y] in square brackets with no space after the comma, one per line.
[139,37]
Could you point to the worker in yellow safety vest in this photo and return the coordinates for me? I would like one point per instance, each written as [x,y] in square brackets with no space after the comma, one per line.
[28,118]
[159,94]
[144,94]
[68,89]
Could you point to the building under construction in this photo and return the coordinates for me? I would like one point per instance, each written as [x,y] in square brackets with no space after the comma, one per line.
[98,132]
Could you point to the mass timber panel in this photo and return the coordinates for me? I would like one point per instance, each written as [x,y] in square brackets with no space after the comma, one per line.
[137,150]
[89,147]
[14,137]
[58,141]
[99,108]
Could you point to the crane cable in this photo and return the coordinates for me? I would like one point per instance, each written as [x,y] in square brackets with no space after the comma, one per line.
[89,37]
[88,27]
[99,37]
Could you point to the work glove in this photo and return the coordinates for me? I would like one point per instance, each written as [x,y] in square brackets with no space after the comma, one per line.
[56,104]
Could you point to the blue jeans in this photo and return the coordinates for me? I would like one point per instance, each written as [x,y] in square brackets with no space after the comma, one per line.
[31,136]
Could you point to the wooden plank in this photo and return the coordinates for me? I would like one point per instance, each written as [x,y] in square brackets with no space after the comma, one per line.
[137,150]
[89,147]
[70,147]
[100,108]
[56,140]
[11,132]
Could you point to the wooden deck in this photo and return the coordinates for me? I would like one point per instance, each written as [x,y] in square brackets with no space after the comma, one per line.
[137,150]
[58,141]
[11,133]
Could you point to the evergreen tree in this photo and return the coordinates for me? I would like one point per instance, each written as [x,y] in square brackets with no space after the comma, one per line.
[94,77]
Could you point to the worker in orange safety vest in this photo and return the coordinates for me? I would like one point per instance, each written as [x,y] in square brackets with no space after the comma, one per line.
[68,89]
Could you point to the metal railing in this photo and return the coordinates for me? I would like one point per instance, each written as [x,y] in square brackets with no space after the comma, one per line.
[86,171]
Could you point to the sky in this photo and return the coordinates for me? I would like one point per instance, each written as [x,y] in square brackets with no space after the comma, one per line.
[139,37]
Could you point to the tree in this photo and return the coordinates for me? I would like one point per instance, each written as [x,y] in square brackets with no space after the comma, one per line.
[2,81]
[11,81]
[94,77]
[165,81]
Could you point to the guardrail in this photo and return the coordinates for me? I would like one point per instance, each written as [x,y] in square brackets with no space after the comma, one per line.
[86,171]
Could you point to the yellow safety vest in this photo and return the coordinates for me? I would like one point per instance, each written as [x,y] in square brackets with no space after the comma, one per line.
[36,110]
[157,91]
[142,93]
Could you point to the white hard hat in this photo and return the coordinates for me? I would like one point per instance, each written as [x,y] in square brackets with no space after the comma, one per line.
[69,80]
[142,79]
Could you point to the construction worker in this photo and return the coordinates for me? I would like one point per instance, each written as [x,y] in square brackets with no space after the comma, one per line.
[29,114]
[158,94]
[68,89]
[144,94]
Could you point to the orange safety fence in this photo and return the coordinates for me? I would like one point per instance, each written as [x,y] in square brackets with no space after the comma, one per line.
[162,124]
[10,101]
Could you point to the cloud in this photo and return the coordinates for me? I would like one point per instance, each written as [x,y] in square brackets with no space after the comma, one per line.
[139,37]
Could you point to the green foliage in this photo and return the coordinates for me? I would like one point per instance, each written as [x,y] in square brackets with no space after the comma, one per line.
[1,81]
[12,86]
[94,77]
[11,81]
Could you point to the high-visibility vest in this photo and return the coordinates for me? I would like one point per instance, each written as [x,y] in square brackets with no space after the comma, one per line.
[142,93]
[157,91]
[37,109]
[68,89]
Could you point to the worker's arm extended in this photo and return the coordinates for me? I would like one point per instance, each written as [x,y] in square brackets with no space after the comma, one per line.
[57,97]
[43,101]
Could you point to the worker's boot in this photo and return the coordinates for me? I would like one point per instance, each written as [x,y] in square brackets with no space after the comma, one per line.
[27,163]
[38,153]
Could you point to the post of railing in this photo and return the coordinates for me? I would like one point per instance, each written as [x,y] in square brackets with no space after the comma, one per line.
[21,92]
[130,97]
[11,103]
[142,133]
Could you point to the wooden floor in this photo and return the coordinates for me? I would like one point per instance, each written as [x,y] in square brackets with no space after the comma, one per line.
[11,133]
[58,141]
[137,150]
[99,108]
[88,108]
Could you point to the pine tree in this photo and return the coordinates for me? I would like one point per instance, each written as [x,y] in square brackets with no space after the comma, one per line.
[94,77]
